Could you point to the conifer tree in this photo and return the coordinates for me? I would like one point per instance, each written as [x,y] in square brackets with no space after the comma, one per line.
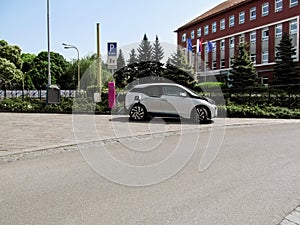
[158,52]
[285,70]
[132,57]
[242,73]
[144,50]
[120,60]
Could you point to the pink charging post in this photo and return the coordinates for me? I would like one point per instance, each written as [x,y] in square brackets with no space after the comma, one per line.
[111,95]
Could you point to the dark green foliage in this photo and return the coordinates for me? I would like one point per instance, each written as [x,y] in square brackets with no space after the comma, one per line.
[157,51]
[39,72]
[285,72]
[132,57]
[179,60]
[120,60]
[134,71]
[144,50]
[242,73]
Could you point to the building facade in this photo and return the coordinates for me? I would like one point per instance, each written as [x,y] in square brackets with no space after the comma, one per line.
[260,23]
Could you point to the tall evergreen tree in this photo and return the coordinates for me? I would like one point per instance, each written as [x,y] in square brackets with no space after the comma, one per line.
[158,52]
[144,50]
[120,60]
[242,73]
[179,60]
[132,57]
[285,71]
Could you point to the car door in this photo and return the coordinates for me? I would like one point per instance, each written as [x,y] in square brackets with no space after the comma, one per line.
[175,100]
[152,101]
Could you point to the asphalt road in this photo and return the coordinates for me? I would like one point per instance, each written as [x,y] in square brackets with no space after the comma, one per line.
[254,180]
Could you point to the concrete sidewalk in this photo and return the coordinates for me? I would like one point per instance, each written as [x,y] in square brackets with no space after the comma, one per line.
[24,132]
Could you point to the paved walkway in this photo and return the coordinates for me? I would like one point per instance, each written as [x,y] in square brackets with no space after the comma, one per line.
[26,133]
[22,132]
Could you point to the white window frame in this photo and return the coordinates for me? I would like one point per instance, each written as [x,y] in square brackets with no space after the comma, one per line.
[253,10]
[278,31]
[206,30]
[214,65]
[214,27]
[265,33]
[183,37]
[199,32]
[253,58]
[231,21]
[222,64]
[293,27]
[242,17]
[293,3]
[265,57]
[253,36]
[222,24]
[231,42]
[278,5]
[265,9]
[193,34]
[222,44]
[242,38]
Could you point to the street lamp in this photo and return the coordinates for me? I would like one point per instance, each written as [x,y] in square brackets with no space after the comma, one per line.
[67,46]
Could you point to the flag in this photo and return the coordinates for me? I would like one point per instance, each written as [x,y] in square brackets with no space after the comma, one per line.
[210,46]
[189,44]
[199,45]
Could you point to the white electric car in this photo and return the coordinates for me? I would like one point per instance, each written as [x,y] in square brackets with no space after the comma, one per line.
[168,100]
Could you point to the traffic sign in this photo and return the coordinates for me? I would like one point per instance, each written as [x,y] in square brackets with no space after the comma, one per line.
[112,48]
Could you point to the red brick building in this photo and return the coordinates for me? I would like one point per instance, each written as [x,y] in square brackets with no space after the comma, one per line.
[260,23]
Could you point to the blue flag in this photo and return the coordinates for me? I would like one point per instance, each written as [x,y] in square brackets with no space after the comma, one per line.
[210,46]
[189,45]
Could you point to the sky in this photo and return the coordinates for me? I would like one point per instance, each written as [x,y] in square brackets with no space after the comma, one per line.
[24,23]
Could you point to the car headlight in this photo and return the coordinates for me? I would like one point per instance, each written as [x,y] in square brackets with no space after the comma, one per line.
[210,101]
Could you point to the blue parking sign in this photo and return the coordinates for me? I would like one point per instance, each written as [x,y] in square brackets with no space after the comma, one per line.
[112,48]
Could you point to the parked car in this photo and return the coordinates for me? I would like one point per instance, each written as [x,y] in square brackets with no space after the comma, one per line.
[168,100]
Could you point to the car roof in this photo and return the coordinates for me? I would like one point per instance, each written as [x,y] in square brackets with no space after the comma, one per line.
[155,84]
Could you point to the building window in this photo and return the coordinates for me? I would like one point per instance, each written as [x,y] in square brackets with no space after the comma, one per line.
[253,13]
[214,27]
[265,57]
[184,37]
[206,30]
[242,17]
[214,65]
[278,30]
[253,58]
[231,42]
[199,32]
[222,24]
[242,38]
[192,34]
[253,36]
[293,27]
[222,44]
[231,21]
[293,3]
[278,5]
[265,9]
[265,34]
[222,63]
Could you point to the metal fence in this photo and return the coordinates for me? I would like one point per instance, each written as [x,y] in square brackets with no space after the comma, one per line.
[34,93]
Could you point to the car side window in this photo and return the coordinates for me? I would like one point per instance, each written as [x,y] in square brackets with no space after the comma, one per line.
[153,91]
[174,91]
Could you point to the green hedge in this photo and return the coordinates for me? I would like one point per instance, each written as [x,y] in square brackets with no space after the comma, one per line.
[255,111]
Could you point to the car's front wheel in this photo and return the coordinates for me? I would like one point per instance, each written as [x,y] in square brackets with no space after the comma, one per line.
[138,112]
[199,115]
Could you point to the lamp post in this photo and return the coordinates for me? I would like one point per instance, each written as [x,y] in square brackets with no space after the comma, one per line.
[67,46]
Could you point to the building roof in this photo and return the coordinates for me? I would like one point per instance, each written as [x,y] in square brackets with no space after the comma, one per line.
[224,6]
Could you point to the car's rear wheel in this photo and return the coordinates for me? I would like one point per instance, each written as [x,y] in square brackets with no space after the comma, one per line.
[199,115]
[138,112]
